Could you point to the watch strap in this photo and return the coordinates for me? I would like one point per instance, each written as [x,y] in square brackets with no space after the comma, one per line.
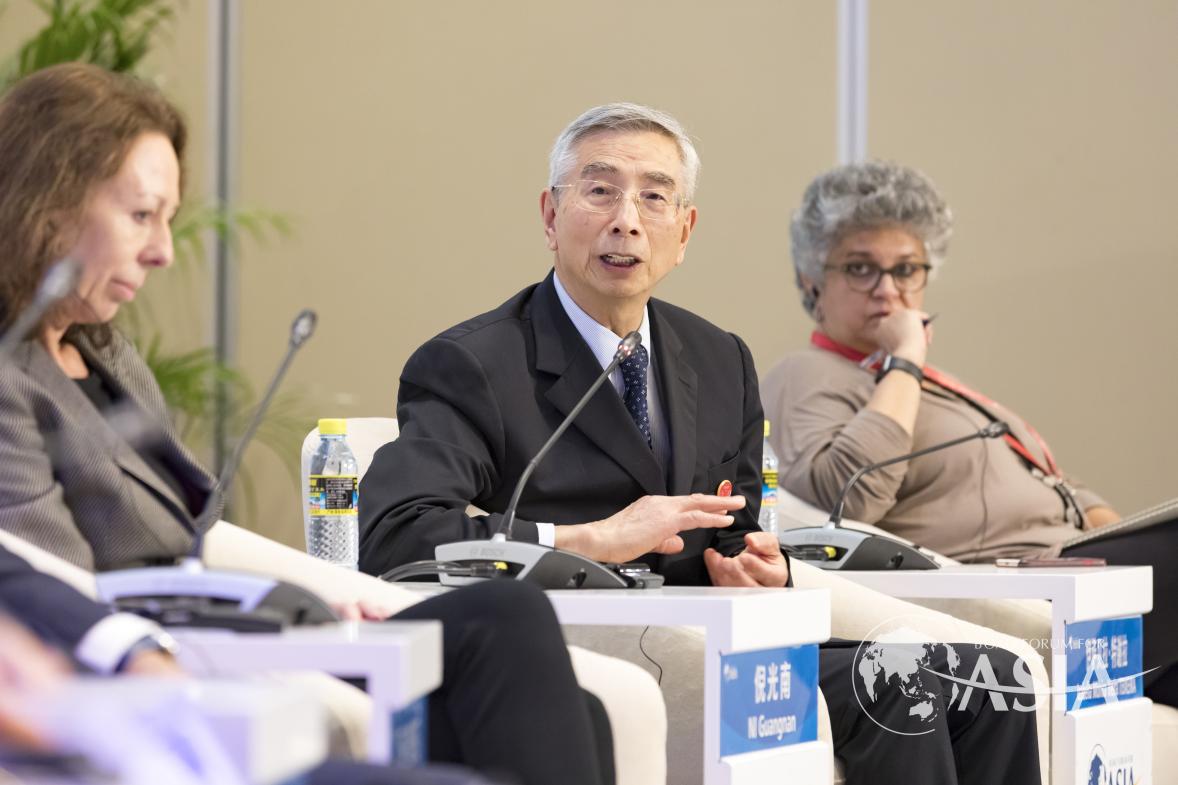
[893,363]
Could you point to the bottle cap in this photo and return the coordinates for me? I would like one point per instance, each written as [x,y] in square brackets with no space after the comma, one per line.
[766,429]
[333,427]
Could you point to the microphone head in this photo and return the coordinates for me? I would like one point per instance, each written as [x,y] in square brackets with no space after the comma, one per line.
[628,345]
[303,327]
[59,281]
[995,430]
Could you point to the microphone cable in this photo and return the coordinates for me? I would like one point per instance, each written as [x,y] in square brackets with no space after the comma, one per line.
[985,504]
[417,569]
[651,660]
[950,395]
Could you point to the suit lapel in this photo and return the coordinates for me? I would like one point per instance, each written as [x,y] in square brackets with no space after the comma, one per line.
[41,367]
[678,384]
[563,353]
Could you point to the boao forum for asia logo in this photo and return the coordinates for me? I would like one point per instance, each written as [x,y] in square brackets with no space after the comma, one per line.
[1103,770]
[927,677]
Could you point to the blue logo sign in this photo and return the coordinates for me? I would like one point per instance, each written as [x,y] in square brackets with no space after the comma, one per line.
[768,698]
[1104,661]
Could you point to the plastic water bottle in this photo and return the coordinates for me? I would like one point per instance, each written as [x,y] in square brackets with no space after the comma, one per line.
[768,517]
[333,530]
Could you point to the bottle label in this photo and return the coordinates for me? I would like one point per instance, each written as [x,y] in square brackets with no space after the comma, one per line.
[333,494]
[769,488]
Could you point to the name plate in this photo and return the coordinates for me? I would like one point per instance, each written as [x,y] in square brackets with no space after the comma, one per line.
[1104,661]
[768,698]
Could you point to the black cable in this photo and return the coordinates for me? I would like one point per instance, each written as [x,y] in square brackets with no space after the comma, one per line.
[652,660]
[417,569]
[985,504]
[985,524]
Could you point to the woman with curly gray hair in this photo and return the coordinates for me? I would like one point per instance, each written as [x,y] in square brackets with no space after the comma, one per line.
[866,240]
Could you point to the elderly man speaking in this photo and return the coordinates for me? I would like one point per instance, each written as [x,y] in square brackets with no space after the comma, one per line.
[663,468]
[644,472]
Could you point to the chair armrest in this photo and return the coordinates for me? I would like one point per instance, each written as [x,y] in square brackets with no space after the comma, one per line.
[230,547]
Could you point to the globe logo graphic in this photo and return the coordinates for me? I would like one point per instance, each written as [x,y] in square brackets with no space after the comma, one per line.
[901,660]
[1096,767]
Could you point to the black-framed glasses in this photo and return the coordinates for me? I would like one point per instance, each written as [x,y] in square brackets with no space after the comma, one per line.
[597,196]
[909,277]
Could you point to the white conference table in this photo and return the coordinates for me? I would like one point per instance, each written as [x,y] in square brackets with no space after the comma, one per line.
[400,661]
[734,621]
[1076,595]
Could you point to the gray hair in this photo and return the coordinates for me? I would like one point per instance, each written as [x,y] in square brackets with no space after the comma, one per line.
[859,196]
[623,117]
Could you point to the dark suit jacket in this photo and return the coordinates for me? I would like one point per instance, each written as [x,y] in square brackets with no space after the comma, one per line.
[477,402]
[52,609]
[72,483]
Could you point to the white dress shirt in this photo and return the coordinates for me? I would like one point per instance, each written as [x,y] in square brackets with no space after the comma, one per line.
[105,644]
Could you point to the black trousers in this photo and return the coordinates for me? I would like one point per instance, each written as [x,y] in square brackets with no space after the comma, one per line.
[894,723]
[1156,547]
[509,705]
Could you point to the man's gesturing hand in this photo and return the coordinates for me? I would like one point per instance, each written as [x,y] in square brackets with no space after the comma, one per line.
[651,524]
[760,564]
[360,610]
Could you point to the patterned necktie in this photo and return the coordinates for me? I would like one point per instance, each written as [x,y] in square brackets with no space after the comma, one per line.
[634,375]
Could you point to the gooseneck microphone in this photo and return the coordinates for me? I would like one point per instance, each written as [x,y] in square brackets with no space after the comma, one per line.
[301,330]
[188,594]
[57,284]
[994,430]
[467,561]
[833,547]
[627,347]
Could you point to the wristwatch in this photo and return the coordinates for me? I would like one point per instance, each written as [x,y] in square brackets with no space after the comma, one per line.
[893,363]
[161,641]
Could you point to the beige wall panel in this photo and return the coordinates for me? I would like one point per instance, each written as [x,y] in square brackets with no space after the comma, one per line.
[180,301]
[1051,127]
[18,21]
[410,140]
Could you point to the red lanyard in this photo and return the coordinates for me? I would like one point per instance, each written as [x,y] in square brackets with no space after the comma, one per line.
[947,382]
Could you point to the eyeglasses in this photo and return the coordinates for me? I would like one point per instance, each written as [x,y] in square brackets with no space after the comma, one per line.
[908,277]
[596,196]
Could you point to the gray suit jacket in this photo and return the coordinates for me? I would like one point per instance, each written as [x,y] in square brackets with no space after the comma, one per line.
[73,483]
